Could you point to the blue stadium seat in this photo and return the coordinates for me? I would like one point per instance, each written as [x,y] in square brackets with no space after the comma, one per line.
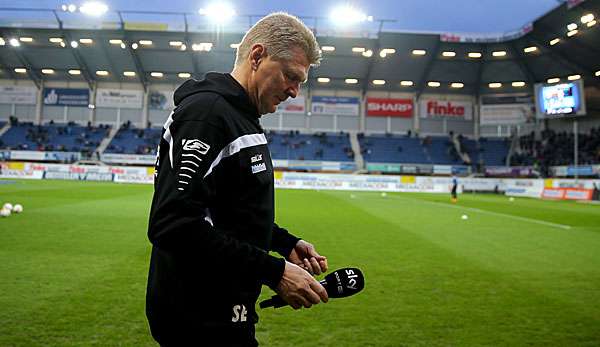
[53,137]
[318,146]
[494,151]
[392,149]
[135,141]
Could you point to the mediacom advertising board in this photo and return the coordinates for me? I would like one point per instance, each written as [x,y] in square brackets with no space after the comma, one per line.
[389,107]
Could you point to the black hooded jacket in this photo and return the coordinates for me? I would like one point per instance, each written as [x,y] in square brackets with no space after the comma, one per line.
[212,216]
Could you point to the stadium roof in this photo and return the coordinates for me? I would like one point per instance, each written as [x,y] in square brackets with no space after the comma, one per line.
[473,16]
[152,53]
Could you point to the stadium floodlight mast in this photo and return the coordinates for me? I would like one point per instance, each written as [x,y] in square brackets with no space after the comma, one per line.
[345,15]
[218,12]
[93,8]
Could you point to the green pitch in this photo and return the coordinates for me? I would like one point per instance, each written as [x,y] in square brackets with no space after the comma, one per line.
[73,269]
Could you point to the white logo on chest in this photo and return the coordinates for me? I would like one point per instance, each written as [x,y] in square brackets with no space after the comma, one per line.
[256,168]
[256,158]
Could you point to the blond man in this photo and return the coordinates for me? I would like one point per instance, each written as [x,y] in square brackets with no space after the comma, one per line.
[212,217]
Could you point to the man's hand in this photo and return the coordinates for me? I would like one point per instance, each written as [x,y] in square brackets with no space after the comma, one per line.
[298,288]
[305,256]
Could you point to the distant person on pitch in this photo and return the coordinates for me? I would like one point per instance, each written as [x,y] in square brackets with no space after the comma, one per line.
[212,217]
[454,188]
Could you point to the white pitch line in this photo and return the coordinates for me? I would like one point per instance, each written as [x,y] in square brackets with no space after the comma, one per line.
[525,219]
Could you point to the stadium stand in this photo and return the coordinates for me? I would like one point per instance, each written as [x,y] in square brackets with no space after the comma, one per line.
[68,137]
[293,145]
[556,148]
[493,152]
[130,140]
[390,148]
[433,150]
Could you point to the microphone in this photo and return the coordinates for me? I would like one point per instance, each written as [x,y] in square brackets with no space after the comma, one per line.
[338,284]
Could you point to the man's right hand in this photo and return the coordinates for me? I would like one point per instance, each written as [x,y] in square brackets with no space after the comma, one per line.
[298,288]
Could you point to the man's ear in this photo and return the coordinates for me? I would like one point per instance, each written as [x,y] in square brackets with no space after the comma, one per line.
[257,54]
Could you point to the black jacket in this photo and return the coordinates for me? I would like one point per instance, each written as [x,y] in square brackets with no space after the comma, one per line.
[212,216]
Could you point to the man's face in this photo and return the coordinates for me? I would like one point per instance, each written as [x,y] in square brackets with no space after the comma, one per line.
[276,80]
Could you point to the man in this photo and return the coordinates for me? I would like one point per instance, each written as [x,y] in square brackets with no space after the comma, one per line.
[212,216]
[454,188]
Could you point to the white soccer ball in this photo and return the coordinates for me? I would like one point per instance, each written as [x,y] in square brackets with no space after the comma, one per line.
[4,212]
[464,217]
[383,194]
[18,208]
[8,206]
[511,199]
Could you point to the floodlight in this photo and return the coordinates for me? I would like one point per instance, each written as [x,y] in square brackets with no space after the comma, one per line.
[93,8]
[347,15]
[587,18]
[218,13]
[384,52]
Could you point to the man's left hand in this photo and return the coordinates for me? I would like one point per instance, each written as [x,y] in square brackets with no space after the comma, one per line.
[305,256]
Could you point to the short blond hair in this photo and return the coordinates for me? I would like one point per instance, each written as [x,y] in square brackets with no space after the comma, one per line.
[279,32]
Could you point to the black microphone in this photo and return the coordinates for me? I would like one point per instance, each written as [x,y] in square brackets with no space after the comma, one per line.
[338,284]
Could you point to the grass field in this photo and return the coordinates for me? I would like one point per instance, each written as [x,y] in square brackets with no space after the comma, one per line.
[73,269]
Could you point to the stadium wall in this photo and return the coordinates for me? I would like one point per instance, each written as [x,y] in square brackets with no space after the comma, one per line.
[297,121]
[278,121]
[534,188]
